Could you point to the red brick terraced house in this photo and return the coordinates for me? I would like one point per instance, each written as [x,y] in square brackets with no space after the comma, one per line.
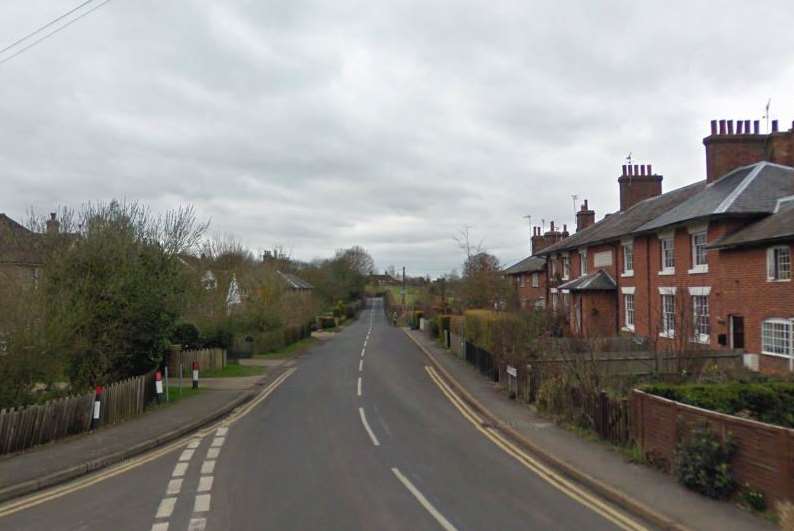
[529,275]
[708,263]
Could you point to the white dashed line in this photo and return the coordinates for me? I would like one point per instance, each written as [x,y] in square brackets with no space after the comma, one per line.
[194,444]
[179,470]
[166,508]
[174,486]
[443,522]
[205,484]
[212,453]
[222,431]
[360,365]
[161,526]
[197,524]
[359,386]
[187,455]
[217,442]
[207,467]
[366,427]
[202,503]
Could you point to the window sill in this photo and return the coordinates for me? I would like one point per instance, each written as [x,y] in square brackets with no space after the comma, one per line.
[666,272]
[784,356]
[628,329]
[697,270]
[703,340]
[667,335]
[778,280]
[627,274]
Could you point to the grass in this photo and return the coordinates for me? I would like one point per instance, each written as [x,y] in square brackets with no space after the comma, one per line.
[411,294]
[290,350]
[174,395]
[233,369]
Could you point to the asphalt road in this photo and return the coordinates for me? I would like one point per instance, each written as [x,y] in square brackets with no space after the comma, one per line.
[316,454]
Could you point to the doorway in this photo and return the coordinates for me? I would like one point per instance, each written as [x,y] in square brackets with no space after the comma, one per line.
[737,331]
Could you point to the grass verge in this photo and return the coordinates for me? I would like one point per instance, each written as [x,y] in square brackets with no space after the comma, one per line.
[290,350]
[233,369]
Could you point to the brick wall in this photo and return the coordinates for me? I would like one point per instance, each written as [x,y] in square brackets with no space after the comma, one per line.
[527,294]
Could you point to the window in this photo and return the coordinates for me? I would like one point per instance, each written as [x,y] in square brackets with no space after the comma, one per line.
[583,262]
[776,337]
[668,316]
[535,280]
[668,254]
[521,281]
[628,304]
[778,263]
[566,267]
[628,258]
[699,251]
[700,315]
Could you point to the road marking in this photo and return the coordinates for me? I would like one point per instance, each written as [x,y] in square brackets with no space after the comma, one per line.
[197,524]
[217,442]
[205,484]
[443,522]
[366,427]
[359,386]
[212,453]
[179,470]
[207,467]
[194,444]
[187,455]
[115,470]
[572,490]
[222,431]
[360,365]
[174,486]
[202,503]
[161,526]
[166,508]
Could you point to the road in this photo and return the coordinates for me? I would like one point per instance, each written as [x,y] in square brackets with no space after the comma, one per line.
[358,435]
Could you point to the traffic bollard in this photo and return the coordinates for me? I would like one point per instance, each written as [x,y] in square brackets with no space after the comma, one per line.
[97,407]
[158,385]
[195,374]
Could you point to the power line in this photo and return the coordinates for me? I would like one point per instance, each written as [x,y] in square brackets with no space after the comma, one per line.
[53,32]
[45,26]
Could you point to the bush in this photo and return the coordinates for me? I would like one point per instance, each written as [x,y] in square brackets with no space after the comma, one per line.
[754,499]
[703,463]
[326,322]
[186,335]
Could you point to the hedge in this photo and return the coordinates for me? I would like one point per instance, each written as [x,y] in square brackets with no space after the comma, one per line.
[770,402]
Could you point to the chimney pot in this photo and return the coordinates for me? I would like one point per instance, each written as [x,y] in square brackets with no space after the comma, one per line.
[565,227]
[739,127]
[636,169]
[756,127]
[747,127]
[649,170]
[642,169]
[624,169]
[774,126]
[52,216]
[585,204]
[552,226]
[730,127]
[722,127]
[714,127]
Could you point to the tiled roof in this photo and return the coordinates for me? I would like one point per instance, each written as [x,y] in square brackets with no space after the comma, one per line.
[748,190]
[295,282]
[619,224]
[19,245]
[530,264]
[777,227]
[598,281]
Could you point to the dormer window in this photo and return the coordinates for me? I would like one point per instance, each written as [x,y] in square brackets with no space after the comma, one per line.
[778,264]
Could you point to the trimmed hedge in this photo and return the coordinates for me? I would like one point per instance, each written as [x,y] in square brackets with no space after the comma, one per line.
[771,402]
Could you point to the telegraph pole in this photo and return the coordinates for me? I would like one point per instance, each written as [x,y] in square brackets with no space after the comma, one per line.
[402,292]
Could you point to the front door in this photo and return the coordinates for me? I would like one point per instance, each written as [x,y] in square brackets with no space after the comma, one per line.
[737,332]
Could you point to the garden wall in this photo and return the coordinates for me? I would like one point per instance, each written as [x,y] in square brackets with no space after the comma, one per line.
[765,453]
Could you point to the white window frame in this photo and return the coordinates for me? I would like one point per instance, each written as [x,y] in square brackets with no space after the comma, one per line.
[663,238]
[694,234]
[629,324]
[582,262]
[667,327]
[628,271]
[535,280]
[566,267]
[772,267]
[521,281]
[788,323]
[696,336]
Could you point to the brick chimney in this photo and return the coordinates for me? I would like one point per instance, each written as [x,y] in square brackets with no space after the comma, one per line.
[538,242]
[585,217]
[637,183]
[53,225]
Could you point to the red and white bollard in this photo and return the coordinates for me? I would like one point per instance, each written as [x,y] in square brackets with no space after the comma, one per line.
[195,374]
[97,406]
[158,385]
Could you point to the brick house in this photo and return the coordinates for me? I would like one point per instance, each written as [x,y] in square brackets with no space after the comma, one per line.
[706,264]
[529,275]
[22,251]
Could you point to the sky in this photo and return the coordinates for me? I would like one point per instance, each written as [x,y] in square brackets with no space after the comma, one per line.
[317,125]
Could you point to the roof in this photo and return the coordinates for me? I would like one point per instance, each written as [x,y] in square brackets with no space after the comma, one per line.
[614,226]
[598,281]
[294,281]
[748,190]
[530,264]
[778,226]
[19,245]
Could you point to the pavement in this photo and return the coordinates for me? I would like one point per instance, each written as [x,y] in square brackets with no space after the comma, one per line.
[641,484]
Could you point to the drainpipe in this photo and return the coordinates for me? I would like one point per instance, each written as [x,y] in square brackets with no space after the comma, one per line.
[619,293]
[648,276]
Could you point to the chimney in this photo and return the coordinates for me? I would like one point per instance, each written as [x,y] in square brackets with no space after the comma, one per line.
[53,225]
[636,186]
[585,217]
[538,241]
[565,232]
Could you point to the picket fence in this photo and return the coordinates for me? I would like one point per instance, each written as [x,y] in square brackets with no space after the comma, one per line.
[207,358]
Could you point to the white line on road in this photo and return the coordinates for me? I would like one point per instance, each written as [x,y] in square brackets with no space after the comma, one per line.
[187,455]
[174,486]
[222,431]
[202,503]
[360,365]
[194,444]
[179,470]
[166,508]
[197,524]
[212,453]
[363,351]
[161,526]
[359,386]
[207,467]
[366,427]
[217,442]
[443,522]
[205,484]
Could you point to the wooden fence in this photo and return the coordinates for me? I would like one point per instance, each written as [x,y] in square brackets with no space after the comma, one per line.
[208,358]
[765,453]
[23,428]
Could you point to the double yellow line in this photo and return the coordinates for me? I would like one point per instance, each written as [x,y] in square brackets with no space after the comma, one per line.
[569,488]
[57,492]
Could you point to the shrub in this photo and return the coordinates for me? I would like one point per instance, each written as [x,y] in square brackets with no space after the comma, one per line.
[754,499]
[785,512]
[703,463]
[185,334]
[326,322]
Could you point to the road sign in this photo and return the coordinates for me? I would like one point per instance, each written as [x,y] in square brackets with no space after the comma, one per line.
[512,371]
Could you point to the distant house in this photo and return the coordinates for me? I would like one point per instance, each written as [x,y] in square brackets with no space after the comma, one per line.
[22,251]
[529,279]
[382,280]
[294,282]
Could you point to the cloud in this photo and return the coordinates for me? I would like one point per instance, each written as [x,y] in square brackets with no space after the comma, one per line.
[321,125]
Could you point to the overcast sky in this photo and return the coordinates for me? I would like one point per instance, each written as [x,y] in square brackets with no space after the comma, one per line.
[391,125]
